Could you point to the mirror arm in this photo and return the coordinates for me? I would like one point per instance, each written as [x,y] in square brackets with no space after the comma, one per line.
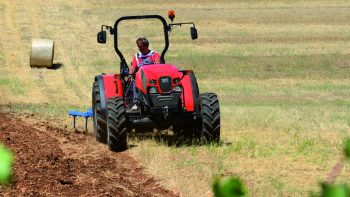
[172,25]
[111,30]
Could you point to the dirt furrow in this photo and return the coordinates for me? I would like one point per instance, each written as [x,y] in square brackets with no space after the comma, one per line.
[55,162]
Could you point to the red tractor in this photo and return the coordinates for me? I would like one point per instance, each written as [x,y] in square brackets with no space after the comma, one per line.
[169,97]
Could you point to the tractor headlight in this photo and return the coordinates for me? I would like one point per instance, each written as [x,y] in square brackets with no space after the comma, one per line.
[153,90]
[176,89]
[153,82]
[176,80]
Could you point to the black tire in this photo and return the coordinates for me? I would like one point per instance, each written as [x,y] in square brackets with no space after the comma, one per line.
[117,129]
[100,123]
[209,111]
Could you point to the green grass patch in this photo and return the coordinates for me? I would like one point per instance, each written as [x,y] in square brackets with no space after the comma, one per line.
[277,184]
[15,86]
[212,66]
[55,110]
[293,118]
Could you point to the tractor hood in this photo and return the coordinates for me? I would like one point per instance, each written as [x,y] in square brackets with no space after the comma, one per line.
[162,75]
[155,71]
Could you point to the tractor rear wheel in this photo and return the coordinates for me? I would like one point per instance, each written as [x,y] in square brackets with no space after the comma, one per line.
[117,129]
[100,124]
[208,109]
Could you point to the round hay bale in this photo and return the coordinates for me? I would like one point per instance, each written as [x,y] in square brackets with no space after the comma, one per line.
[42,53]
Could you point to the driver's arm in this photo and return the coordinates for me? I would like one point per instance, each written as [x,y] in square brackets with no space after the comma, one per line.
[156,57]
[132,70]
[133,66]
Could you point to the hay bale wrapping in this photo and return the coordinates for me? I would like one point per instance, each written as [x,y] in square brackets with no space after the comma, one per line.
[42,53]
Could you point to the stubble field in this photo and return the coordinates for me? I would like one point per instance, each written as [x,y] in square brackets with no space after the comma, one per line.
[280,68]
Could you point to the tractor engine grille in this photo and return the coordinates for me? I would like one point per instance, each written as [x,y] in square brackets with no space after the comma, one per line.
[165,84]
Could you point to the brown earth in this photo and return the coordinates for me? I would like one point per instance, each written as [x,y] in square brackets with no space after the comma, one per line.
[55,162]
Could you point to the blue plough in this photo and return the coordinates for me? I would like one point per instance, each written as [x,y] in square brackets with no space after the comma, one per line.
[86,115]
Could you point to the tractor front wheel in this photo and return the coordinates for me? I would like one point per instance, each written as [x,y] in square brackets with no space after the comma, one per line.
[208,109]
[117,129]
[100,124]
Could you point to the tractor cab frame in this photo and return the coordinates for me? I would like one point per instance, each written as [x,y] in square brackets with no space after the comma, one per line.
[102,35]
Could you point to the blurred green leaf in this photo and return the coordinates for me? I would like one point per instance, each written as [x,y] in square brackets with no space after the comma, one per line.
[229,187]
[5,165]
[331,190]
[347,148]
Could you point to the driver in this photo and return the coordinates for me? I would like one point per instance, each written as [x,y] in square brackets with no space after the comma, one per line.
[145,57]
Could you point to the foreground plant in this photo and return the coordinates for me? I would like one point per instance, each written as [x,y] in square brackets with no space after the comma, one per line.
[329,189]
[233,186]
[229,187]
[6,159]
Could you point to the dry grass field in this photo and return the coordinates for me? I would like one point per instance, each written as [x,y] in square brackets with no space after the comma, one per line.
[280,68]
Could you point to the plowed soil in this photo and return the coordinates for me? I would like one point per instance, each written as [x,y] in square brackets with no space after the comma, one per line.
[55,162]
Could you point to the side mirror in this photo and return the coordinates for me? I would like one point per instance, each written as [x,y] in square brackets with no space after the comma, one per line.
[102,37]
[194,34]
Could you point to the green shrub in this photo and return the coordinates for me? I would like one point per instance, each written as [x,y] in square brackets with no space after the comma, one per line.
[229,187]
[5,165]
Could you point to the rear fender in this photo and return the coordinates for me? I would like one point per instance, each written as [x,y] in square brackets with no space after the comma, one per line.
[190,90]
[112,86]
[109,86]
